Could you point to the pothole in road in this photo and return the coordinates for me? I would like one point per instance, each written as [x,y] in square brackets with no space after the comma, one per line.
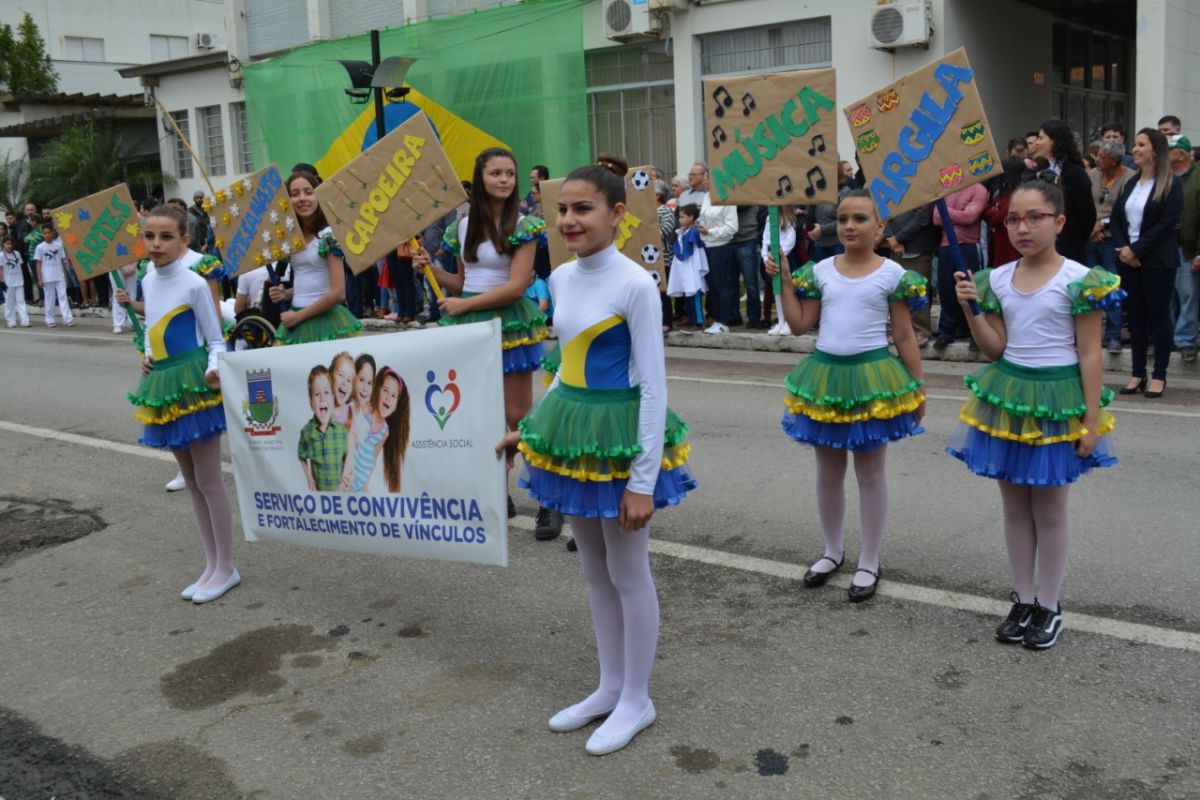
[27,526]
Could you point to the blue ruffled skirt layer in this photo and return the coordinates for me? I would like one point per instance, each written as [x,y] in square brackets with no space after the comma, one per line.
[174,404]
[867,435]
[182,433]
[522,331]
[1034,465]
[600,498]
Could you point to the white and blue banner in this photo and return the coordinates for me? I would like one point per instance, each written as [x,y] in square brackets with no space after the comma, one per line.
[381,444]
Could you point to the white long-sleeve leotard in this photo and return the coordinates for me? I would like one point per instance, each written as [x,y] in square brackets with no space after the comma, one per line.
[179,313]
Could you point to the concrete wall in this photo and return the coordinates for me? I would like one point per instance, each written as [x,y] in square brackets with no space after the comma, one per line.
[208,87]
[1168,69]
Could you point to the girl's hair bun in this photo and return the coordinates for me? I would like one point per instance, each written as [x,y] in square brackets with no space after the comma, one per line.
[618,165]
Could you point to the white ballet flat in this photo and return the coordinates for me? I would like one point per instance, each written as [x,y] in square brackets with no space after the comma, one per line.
[599,745]
[189,592]
[205,595]
[565,721]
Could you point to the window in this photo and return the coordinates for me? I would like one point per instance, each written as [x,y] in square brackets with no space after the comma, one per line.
[84,48]
[183,159]
[213,141]
[1091,83]
[631,104]
[166,48]
[243,160]
[805,44]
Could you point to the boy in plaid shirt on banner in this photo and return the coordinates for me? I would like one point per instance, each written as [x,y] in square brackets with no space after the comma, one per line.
[323,445]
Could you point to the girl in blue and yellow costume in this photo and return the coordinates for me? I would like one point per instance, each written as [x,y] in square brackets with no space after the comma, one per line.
[317,313]
[1036,420]
[602,447]
[179,400]
[852,394]
[495,247]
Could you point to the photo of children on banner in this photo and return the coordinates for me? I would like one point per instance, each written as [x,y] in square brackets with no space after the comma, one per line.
[360,419]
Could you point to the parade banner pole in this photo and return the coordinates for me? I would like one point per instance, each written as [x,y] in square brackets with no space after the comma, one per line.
[955,253]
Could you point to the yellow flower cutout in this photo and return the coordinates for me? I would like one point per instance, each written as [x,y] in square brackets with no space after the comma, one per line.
[298,243]
[258,259]
[276,253]
[226,219]
[222,196]
[207,205]
[283,203]
[132,229]
[63,219]
[237,190]
[280,233]
[220,243]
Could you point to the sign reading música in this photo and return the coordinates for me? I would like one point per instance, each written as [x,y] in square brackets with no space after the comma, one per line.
[101,232]
[253,221]
[772,139]
[382,445]
[390,193]
[638,237]
[924,136]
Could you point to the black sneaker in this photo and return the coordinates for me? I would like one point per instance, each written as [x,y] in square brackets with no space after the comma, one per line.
[571,546]
[1013,629]
[547,524]
[1044,629]
[941,343]
[512,508]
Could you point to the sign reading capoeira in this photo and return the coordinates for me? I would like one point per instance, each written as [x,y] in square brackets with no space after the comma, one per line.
[772,139]
[389,194]
[100,232]
[924,136]
[638,237]
[253,221]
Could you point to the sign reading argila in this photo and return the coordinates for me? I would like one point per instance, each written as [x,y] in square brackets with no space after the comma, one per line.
[772,139]
[924,136]
[100,232]
[253,221]
[389,194]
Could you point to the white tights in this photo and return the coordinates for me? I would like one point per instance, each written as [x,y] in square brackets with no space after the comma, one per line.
[872,506]
[1037,531]
[624,605]
[201,468]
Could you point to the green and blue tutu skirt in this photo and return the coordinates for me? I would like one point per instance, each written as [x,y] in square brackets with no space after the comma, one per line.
[336,323]
[579,445]
[522,331]
[174,404]
[856,402]
[1021,425]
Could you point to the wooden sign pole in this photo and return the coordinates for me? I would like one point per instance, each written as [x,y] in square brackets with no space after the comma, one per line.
[199,164]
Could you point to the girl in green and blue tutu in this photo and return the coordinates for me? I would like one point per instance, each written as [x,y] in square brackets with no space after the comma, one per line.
[1036,418]
[852,394]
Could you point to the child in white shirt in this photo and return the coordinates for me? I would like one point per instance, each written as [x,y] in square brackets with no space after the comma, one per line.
[49,257]
[14,299]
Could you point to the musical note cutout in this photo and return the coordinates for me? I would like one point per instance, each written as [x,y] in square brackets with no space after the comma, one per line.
[719,135]
[748,104]
[723,98]
[785,187]
[818,145]
[820,182]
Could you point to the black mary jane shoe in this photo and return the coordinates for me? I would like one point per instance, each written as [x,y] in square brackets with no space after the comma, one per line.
[814,579]
[858,594]
[1137,388]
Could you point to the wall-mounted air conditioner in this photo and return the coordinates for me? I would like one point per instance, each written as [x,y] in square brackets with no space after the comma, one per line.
[206,41]
[902,24]
[630,20]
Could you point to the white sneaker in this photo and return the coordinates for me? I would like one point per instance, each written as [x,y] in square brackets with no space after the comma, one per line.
[117,329]
[717,327]
[781,329]
[11,325]
[176,483]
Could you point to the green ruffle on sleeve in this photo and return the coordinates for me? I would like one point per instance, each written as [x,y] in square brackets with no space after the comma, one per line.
[209,267]
[529,229]
[805,282]
[450,240]
[327,244]
[988,302]
[1098,289]
[912,289]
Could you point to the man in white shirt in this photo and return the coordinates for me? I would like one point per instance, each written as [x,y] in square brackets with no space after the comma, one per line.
[717,226]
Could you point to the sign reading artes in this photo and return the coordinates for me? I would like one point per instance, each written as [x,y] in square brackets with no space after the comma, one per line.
[101,232]
[924,136]
[772,139]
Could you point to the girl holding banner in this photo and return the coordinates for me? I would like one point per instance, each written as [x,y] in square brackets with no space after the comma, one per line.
[179,400]
[602,447]
[316,313]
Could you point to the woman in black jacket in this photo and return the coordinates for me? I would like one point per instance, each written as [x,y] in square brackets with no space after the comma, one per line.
[1145,227]
[1056,144]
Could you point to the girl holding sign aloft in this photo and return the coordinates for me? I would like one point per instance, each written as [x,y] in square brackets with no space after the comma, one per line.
[179,400]
[602,447]
[316,313]
[852,394]
[1036,418]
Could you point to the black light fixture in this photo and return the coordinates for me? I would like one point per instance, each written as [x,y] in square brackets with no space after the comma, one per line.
[378,77]
[360,73]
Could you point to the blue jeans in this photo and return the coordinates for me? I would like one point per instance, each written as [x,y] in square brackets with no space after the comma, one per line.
[400,274]
[818,253]
[722,283]
[354,298]
[746,258]
[952,324]
[1104,254]
[1187,303]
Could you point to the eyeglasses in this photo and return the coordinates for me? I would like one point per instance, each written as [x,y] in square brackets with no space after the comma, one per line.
[1033,219]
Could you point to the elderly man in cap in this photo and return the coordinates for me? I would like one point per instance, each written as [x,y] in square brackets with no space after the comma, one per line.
[1187,277]
[198,223]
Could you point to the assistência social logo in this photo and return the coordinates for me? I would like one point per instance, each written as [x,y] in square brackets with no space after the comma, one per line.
[442,401]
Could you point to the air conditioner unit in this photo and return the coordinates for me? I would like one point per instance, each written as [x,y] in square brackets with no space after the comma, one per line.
[630,20]
[902,24]
[206,41]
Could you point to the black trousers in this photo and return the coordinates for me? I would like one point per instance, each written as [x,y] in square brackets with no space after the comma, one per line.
[1148,315]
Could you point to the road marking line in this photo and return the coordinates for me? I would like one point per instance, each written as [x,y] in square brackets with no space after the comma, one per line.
[112,337]
[1129,631]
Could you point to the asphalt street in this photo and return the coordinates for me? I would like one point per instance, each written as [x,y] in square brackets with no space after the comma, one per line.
[334,675]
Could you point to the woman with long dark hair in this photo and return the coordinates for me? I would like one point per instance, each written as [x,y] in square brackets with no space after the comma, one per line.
[1145,226]
[1056,143]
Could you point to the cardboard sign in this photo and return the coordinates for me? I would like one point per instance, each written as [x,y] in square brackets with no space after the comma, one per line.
[638,238]
[772,139]
[100,232]
[924,136]
[253,221]
[389,194]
